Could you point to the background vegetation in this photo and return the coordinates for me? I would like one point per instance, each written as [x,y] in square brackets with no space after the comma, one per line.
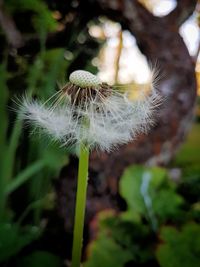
[138,213]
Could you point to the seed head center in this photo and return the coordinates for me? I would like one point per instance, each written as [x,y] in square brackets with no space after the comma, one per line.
[84,79]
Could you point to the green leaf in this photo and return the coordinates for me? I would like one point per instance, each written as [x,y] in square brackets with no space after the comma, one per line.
[149,193]
[25,175]
[40,259]
[167,204]
[106,252]
[10,153]
[133,241]
[129,188]
[3,108]
[43,14]
[13,239]
[131,185]
[179,248]
[3,132]
[52,65]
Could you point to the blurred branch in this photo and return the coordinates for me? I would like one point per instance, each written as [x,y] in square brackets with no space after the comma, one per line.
[182,12]
[197,54]
[130,13]
[118,55]
[13,36]
[159,42]
[127,12]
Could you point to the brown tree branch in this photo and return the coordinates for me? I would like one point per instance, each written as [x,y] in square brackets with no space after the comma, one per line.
[126,12]
[182,12]
[158,41]
[132,14]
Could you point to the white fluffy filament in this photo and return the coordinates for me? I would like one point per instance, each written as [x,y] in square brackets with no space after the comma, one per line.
[112,120]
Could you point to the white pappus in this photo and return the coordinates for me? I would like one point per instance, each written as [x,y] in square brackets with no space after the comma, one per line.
[91,112]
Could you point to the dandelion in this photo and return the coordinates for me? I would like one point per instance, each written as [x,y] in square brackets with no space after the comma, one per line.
[87,111]
[89,114]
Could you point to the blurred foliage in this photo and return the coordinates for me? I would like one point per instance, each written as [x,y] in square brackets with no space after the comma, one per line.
[133,241]
[13,239]
[180,248]
[139,236]
[29,161]
[102,251]
[40,259]
[148,193]
[42,20]
[29,165]
[188,155]
[140,233]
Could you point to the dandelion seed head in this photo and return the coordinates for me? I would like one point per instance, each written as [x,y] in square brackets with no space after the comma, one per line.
[84,79]
[100,117]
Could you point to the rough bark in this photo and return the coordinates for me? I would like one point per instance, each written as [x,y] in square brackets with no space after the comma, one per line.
[159,40]
[183,10]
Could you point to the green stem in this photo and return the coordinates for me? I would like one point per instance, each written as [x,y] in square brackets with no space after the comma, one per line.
[80,206]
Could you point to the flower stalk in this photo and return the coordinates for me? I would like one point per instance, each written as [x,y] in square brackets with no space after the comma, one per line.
[80,205]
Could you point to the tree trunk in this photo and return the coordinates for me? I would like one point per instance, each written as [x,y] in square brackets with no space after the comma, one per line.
[160,41]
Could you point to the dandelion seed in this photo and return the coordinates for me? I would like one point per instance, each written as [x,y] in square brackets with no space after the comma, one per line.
[91,112]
